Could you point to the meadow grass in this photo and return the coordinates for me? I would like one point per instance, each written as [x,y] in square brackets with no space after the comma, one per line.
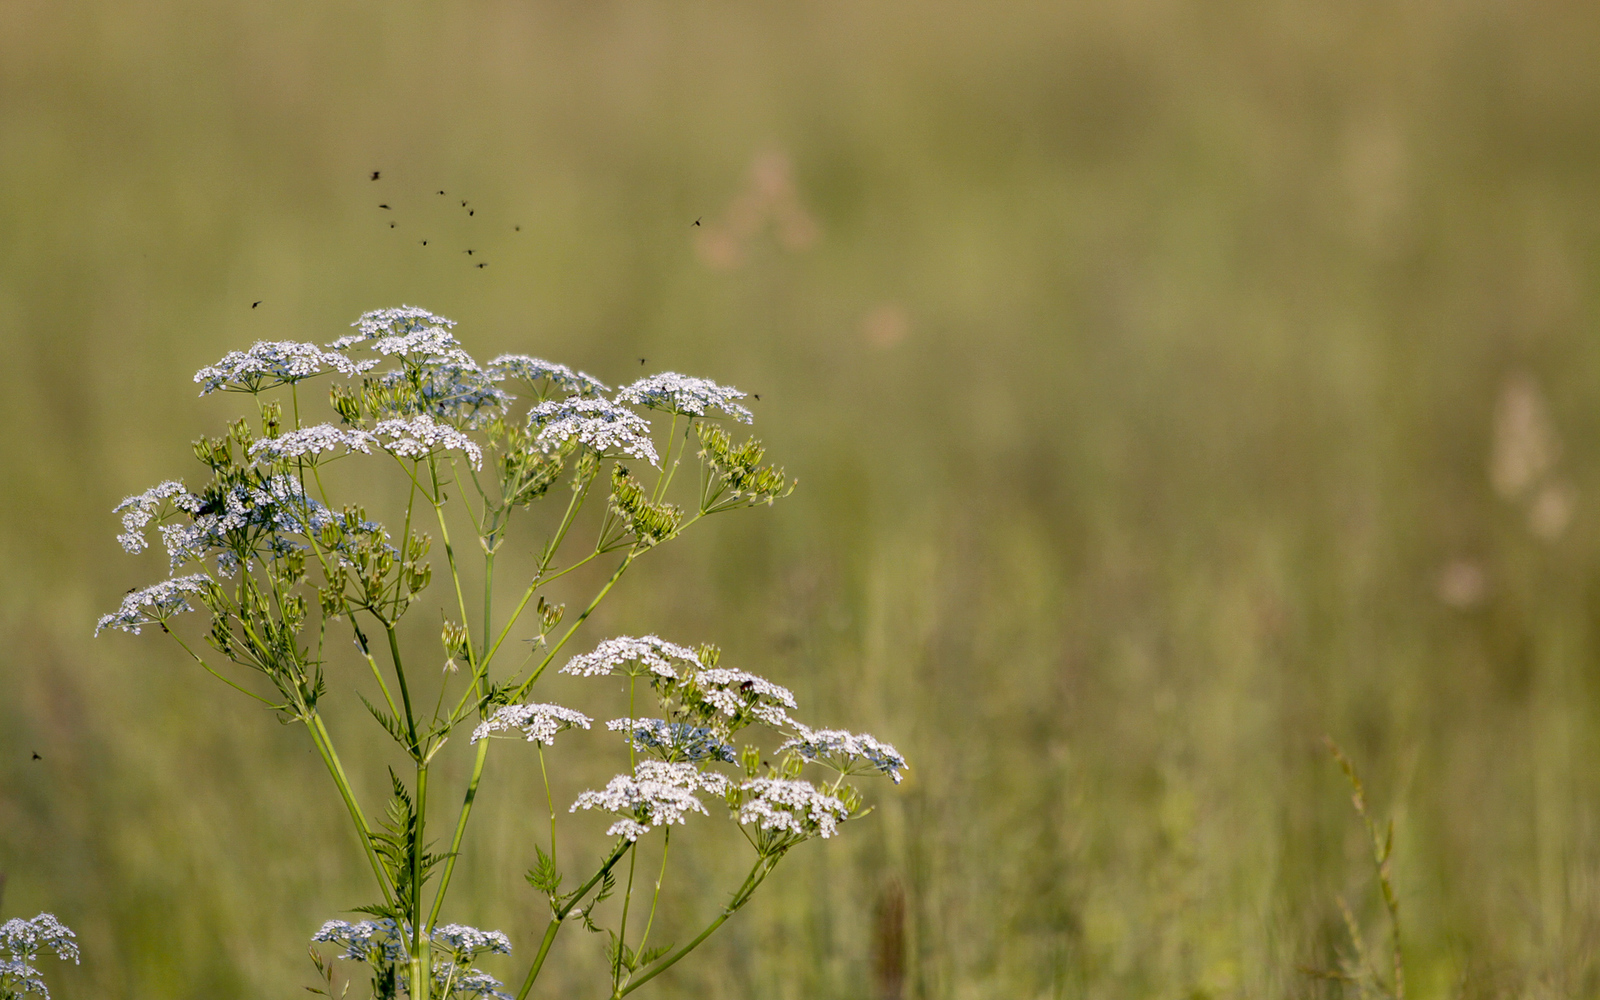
[1141,375]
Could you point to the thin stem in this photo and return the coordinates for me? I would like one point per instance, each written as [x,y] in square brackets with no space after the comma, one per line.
[551,801]
[330,757]
[421,963]
[763,866]
[450,557]
[461,829]
[661,876]
[623,845]
[214,673]
[554,545]
[405,692]
[522,689]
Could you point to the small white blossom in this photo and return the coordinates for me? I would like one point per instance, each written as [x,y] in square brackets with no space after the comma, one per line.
[684,394]
[154,605]
[471,984]
[430,340]
[140,509]
[627,828]
[842,750]
[539,723]
[656,794]
[24,940]
[312,441]
[535,370]
[391,322]
[383,939]
[271,363]
[593,421]
[787,806]
[674,741]
[466,943]
[735,692]
[650,652]
[274,505]
[418,436]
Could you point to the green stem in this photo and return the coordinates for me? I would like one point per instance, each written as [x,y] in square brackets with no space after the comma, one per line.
[450,558]
[405,692]
[666,845]
[534,677]
[623,845]
[461,829]
[421,961]
[324,744]
[762,867]
[573,505]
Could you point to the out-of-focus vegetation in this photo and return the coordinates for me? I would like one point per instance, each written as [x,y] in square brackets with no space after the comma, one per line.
[1141,363]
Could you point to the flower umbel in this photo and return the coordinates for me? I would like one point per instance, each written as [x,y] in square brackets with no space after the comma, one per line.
[685,394]
[155,604]
[539,723]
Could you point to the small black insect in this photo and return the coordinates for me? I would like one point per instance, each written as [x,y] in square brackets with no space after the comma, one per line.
[257,302]
[424,242]
[697,222]
[517,229]
[441,192]
[467,252]
[472,211]
[391,225]
[375,175]
[36,756]
[463,203]
[758,396]
[383,206]
[483,265]
[641,361]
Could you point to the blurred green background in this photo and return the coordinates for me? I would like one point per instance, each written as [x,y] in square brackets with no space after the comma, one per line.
[1170,383]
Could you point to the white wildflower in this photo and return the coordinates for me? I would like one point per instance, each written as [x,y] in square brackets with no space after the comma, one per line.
[684,394]
[271,363]
[656,794]
[468,984]
[593,421]
[735,693]
[790,806]
[427,341]
[466,943]
[154,605]
[140,509]
[539,723]
[275,505]
[24,940]
[535,370]
[627,828]
[674,741]
[418,436]
[312,441]
[843,751]
[382,940]
[389,323]
[650,653]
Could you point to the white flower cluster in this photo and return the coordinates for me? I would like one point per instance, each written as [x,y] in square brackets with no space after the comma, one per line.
[593,421]
[674,741]
[427,341]
[312,441]
[539,723]
[842,750]
[380,940]
[24,940]
[154,605]
[656,794]
[273,362]
[277,504]
[140,509]
[455,386]
[452,982]
[467,943]
[418,436]
[685,394]
[650,652]
[535,370]
[391,322]
[733,692]
[790,806]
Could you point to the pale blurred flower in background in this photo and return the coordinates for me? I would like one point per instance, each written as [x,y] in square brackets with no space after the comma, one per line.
[769,195]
